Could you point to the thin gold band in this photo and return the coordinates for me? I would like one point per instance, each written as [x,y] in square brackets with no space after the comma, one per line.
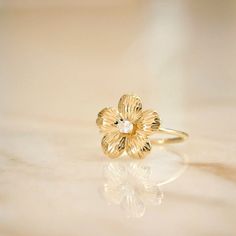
[179,136]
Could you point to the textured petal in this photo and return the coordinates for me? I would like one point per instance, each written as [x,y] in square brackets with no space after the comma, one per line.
[106,119]
[130,106]
[132,204]
[139,171]
[149,122]
[113,193]
[151,193]
[116,173]
[138,146]
[113,144]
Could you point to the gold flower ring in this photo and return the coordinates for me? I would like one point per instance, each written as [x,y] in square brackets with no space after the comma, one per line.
[128,129]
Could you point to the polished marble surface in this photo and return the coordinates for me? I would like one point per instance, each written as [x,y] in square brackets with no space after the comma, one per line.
[63,61]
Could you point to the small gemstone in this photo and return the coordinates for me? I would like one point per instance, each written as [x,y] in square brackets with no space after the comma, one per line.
[125,126]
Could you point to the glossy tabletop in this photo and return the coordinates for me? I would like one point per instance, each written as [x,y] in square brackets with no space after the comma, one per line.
[61,62]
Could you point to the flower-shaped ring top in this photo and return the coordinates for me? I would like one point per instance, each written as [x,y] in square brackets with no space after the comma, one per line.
[128,128]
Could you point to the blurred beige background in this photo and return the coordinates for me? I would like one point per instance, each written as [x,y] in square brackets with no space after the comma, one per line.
[63,61]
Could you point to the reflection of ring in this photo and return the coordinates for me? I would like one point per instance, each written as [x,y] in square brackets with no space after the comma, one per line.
[136,185]
[183,164]
[128,128]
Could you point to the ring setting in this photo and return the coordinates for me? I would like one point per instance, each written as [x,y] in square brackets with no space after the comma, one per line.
[127,129]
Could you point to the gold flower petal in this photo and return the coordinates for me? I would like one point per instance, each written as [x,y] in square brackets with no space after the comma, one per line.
[113,144]
[138,146]
[130,106]
[106,119]
[149,122]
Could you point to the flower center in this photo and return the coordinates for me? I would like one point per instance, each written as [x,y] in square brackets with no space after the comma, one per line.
[125,126]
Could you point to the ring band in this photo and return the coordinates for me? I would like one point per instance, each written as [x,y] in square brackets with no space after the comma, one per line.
[127,129]
[180,136]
